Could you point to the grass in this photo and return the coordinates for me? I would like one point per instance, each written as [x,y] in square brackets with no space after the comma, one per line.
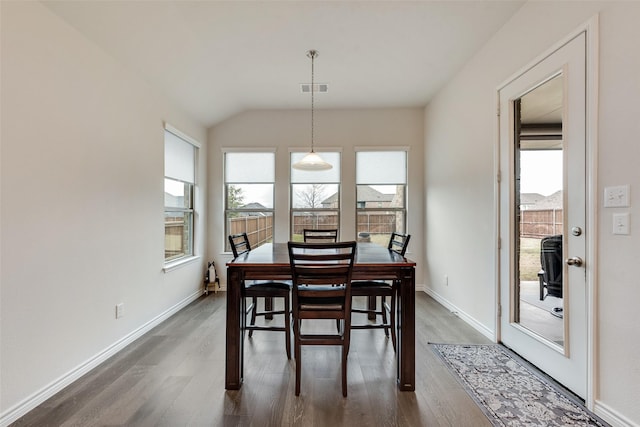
[529,258]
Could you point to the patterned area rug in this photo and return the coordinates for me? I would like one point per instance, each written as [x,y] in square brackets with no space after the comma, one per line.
[510,391]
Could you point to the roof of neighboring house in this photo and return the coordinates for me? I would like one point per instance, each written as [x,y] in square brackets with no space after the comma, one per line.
[254,205]
[530,198]
[365,194]
[369,194]
[553,201]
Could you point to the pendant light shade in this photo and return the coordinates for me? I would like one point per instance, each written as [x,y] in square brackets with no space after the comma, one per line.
[312,161]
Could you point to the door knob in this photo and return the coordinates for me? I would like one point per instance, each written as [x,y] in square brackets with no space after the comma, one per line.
[576,260]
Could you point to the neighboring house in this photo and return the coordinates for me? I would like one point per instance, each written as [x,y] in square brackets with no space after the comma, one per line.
[538,202]
[368,197]
[553,201]
[528,200]
[171,200]
[257,209]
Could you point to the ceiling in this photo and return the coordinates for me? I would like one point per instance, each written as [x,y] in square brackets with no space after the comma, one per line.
[214,59]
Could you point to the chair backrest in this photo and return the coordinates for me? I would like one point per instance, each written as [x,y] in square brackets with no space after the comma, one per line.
[320,236]
[239,244]
[322,264]
[399,242]
[551,260]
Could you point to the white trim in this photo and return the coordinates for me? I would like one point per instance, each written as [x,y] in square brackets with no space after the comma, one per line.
[248,149]
[21,408]
[470,320]
[612,416]
[181,135]
[590,29]
[592,57]
[316,149]
[382,148]
[173,265]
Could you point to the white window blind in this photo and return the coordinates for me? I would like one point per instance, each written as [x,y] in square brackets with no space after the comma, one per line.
[249,167]
[381,167]
[179,158]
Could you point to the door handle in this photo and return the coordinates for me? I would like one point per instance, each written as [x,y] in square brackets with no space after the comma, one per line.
[576,260]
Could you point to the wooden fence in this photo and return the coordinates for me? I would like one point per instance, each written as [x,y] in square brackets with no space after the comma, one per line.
[377,223]
[259,229]
[540,223]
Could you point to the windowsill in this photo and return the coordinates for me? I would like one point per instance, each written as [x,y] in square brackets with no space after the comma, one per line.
[173,265]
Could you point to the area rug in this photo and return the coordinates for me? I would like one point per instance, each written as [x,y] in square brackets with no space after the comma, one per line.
[510,391]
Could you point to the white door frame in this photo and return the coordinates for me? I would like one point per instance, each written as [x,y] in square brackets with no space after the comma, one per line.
[590,28]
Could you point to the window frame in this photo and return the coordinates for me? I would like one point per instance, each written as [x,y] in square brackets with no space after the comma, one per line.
[189,209]
[398,210]
[247,211]
[314,211]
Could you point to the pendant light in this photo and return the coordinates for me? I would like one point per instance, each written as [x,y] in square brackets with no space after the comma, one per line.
[312,161]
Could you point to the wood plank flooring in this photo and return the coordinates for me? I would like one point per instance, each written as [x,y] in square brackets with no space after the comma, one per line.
[174,376]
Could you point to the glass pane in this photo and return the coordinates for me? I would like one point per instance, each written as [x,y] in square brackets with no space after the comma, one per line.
[380,196]
[369,170]
[315,220]
[539,211]
[376,226]
[178,227]
[249,167]
[329,176]
[179,158]
[257,225]
[177,194]
[315,196]
[250,196]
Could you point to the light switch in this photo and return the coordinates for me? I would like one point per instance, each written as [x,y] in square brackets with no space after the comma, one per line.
[621,223]
[616,197]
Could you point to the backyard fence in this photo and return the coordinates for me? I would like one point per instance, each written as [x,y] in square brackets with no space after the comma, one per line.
[259,228]
[540,223]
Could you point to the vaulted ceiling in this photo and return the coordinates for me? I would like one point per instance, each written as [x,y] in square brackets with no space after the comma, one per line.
[214,59]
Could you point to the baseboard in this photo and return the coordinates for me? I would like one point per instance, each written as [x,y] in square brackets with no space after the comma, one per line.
[611,416]
[14,413]
[462,314]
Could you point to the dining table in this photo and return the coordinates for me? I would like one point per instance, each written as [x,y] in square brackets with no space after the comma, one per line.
[270,261]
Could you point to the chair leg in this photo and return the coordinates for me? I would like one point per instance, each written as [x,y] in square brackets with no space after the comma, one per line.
[392,315]
[345,356]
[287,327]
[384,315]
[253,314]
[298,355]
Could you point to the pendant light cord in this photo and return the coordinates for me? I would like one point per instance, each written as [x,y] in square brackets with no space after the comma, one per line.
[312,54]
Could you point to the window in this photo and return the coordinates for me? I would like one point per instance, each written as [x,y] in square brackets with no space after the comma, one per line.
[249,195]
[315,196]
[381,188]
[179,181]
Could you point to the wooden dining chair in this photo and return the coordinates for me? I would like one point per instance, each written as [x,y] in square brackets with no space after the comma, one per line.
[266,289]
[321,290]
[320,236]
[381,288]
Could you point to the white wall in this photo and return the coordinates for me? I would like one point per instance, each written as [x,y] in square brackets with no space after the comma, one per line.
[82,205]
[460,137]
[338,129]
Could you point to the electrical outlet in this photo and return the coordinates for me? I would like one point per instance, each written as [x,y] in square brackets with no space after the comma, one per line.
[621,223]
[119,310]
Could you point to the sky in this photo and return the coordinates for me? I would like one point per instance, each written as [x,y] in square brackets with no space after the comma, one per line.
[541,171]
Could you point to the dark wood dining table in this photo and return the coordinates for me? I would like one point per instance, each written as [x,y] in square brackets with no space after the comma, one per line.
[271,262]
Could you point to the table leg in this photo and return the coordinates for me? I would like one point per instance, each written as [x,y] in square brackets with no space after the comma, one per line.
[235,316]
[406,332]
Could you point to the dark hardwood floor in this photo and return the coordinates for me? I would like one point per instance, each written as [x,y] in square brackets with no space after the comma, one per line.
[174,376]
